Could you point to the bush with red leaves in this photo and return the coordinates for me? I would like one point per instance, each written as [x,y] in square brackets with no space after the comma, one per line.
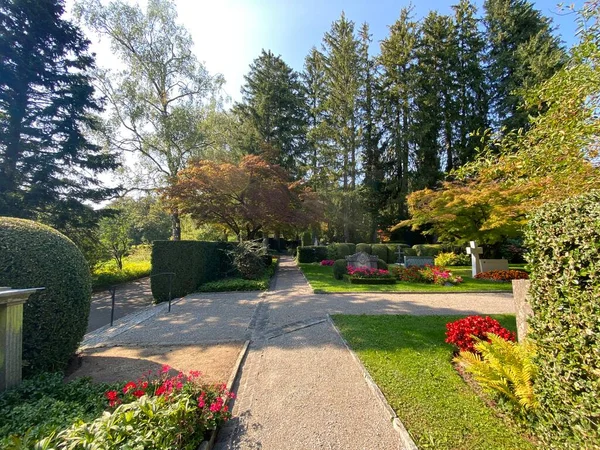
[503,275]
[461,332]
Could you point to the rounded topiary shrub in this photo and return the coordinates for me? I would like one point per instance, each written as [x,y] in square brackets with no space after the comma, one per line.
[340,269]
[366,248]
[382,265]
[564,259]
[54,320]
[381,251]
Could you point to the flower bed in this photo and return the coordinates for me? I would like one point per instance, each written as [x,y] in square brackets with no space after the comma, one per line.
[161,412]
[364,275]
[464,333]
[428,274]
[503,275]
[328,262]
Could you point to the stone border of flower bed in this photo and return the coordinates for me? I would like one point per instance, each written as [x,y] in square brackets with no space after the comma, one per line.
[209,444]
[407,440]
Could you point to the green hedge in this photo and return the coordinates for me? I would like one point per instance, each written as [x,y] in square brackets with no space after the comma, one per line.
[381,264]
[54,320]
[341,250]
[340,268]
[366,248]
[564,258]
[381,250]
[353,280]
[194,263]
[311,254]
[428,249]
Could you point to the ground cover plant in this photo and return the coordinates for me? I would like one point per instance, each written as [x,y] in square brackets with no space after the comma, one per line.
[241,284]
[409,361]
[323,279]
[503,275]
[158,410]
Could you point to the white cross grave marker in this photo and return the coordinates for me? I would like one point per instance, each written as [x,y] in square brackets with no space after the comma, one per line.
[474,251]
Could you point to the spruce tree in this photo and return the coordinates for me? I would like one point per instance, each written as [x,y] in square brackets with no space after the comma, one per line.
[48,166]
[523,52]
[274,106]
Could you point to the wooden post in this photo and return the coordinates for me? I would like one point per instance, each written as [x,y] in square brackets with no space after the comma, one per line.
[11,335]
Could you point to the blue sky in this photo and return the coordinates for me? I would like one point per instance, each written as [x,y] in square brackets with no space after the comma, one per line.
[229,34]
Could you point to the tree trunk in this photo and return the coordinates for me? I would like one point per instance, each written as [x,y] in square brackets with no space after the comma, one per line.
[175,226]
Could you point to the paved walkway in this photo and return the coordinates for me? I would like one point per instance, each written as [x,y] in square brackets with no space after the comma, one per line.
[130,297]
[299,386]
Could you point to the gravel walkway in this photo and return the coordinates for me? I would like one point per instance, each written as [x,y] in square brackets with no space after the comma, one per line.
[299,387]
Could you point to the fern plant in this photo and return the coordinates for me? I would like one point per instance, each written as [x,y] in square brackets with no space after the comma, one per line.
[503,367]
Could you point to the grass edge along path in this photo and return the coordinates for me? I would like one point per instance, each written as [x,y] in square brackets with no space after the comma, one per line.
[410,362]
[321,280]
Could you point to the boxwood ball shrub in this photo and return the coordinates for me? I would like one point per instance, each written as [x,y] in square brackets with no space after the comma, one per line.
[54,320]
[381,251]
[564,259]
[365,248]
[340,269]
[382,265]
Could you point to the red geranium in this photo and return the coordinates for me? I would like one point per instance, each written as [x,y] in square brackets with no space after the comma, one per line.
[462,332]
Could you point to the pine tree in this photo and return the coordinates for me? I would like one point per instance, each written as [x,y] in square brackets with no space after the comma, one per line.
[274,106]
[472,94]
[48,167]
[397,84]
[523,52]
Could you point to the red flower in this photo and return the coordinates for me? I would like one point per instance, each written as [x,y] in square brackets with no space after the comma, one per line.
[129,386]
[462,332]
[111,395]
[138,393]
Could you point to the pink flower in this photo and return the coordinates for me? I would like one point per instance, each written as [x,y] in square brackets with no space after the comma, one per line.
[165,368]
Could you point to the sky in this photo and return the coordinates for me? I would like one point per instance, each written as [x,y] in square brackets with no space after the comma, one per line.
[229,34]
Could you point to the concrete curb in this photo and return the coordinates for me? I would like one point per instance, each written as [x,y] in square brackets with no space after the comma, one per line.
[411,292]
[405,437]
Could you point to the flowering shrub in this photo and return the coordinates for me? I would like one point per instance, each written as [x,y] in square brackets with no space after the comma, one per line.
[328,262]
[439,275]
[427,274]
[365,272]
[462,332]
[503,275]
[162,413]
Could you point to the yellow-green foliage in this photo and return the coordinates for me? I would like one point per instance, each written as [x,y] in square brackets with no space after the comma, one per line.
[108,274]
[504,367]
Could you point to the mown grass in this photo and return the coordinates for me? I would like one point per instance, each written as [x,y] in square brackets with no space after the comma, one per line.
[409,361]
[321,280]
[136,265]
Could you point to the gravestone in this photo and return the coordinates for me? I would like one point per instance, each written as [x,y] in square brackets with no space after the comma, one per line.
[419,261]
[362,259]
[400,253]
[474,251]
[485,265]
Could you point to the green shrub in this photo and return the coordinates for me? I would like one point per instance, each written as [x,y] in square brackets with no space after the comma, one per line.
[351,248]
[193,262]
[409,252]
[307,239]
[564,259]
[343,250]
[240,284]
[366,248]
[392,253]
[45,403]
[452,259]
[428,249]
[381,264]
[340,269]
[54,320]
[312,254]
[381,251]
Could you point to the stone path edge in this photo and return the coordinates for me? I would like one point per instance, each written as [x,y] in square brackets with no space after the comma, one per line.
[321,292]
[407,440]
[209,444]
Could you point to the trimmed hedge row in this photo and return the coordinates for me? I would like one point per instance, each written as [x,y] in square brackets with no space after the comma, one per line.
[311,253]
[564,257]
[193,262]
[54,320]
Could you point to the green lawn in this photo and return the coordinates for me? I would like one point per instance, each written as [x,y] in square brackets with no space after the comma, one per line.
[409,361]
[321,280]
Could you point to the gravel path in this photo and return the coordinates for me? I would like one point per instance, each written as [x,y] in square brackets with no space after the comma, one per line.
[299,387]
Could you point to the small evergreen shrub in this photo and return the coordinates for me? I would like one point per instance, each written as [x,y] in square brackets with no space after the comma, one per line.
[445,259]
[351,248]
[312,254]
[307,239]
[54,320]
[381,251]
[248,259]
[564,258]
[410,252]
[366,248]
[382,265]
[340,268]
[428,249]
